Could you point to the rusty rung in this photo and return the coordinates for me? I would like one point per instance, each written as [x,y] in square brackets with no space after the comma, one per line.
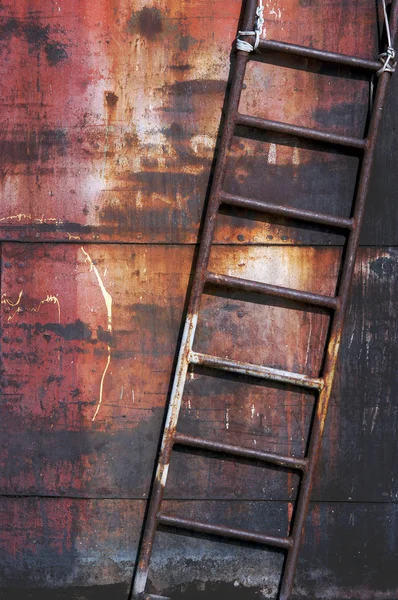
[246,285]
[286,211]
[219,530]
[269,457]
[225,364]
[145,596]
[331,57]
[304,132]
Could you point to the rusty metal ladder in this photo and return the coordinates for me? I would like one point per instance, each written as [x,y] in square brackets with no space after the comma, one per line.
[335,305]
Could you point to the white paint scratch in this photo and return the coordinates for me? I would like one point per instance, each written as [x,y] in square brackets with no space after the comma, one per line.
[296,156]
[272,154]
[6,300]
[164,475]
[352,337]
[308,353]
[108,304]
[21,216]
[274,10]
[49,300]
[375,413]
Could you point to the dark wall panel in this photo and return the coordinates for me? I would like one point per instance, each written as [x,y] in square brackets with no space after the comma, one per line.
[89,543]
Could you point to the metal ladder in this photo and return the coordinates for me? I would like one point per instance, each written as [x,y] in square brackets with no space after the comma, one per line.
[335,305]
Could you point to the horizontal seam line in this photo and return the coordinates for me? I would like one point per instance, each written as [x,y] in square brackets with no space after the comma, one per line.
[237,500]
[189,244]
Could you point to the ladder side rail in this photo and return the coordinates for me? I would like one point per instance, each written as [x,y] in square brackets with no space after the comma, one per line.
[157,491]
[336,329]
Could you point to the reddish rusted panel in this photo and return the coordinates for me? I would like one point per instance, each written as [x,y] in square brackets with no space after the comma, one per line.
[89,334]
[52,371]
[87,348]
[111,111]
[110,120]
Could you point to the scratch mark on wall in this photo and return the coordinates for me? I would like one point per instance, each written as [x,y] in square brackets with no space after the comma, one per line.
[272,154]
[108,304]
[8,302]
[5,300]
[48,299]
[21,216]
[374,417]
[227,418]
[296,157]
[51,300]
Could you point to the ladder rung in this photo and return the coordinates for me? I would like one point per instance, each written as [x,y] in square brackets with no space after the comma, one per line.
[269,457]
[304,132]
[145,596]
[225,364]
[286,211]
[331,57]
[246,285]
[238,534]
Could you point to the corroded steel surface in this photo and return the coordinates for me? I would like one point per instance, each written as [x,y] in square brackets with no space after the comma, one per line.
[51,446]
[338,304]
[61,366]
[48,406]
[110,113]
[99,547]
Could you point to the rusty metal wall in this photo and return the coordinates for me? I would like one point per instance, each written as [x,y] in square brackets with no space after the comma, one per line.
[110,115]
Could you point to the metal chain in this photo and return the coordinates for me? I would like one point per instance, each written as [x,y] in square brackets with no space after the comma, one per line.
[387,58]
[258,28]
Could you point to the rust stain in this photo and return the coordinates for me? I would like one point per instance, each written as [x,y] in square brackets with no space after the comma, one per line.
[111,116]
[133,133]
[147,22]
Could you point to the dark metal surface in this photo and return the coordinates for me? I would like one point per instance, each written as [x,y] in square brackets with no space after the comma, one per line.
[336,329]
[340,303]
